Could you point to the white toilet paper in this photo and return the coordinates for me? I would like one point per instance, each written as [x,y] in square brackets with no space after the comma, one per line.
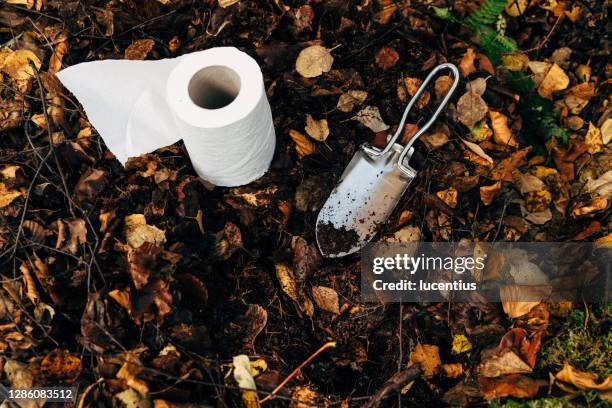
[214,100]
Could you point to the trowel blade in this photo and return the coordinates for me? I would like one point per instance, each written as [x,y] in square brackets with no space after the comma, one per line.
[364,198]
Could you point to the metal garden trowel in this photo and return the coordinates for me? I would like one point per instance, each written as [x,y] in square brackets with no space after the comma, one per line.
[372,184]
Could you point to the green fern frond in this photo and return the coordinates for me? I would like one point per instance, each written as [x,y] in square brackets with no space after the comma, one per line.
[486,14]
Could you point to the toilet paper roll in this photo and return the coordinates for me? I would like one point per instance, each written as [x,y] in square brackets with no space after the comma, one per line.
[214,100]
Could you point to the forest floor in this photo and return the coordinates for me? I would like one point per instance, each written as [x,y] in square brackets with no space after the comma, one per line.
[139,285]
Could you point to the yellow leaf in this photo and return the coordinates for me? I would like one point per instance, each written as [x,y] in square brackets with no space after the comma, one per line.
[452,370]
[573,14]
[461,344]
[130,371]
[466,65]
[313,61]
[515,62]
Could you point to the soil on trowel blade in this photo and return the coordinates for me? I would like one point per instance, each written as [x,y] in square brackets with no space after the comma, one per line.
[334,240]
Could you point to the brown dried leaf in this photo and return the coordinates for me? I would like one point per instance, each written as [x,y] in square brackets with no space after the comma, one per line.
[593,139]
[466,65]
[478,150]
[504,169]
[91,183]
[386,57]
[514,385]
[494,365]
[137,231]
[412,85]
[555,80]
[370,117]
[7,196]
[326,298]
[442,85]
[349,99]
[583,380]
[595,205]
[303,145]
[515,308]
[471,108]
[317,129]
[17,64]
[286,278]
[139,49]
[428,356]
[487,193]
[501,132]
[314,61]
[454,370]
[449,196]
[59,366]
[302,17]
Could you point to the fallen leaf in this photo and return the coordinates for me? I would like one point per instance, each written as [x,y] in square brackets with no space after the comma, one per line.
[478,150]
[314,61]
[303,17]
[317,129]
[77,231]
[304,397]
[386,57]
[303,145]
[502,134]
[504,169]
[59,366]
[286,278]
[326,298]
[130,372]
[55,63]
[593,139]
[7,196]
[244,379]
[554,80]
[594,205]
[449,196]
[90,184]
[466,65]
[461,344]
[512,301]
[487,193]
[370,117]
[387,8]
[601,186]
[442,85]
[349,99]
[412,85]
[17,64]
[516,8]
[137,231]
[224,3]
[452,370]
[514,385]
[428,356]
[471,108]
[139,49]
[583,380]
[494,365]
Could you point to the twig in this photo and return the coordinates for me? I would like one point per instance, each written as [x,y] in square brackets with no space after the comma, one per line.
[297,370]
[394,384]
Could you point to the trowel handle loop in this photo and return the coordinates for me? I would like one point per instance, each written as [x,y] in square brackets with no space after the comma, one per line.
[375,152]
